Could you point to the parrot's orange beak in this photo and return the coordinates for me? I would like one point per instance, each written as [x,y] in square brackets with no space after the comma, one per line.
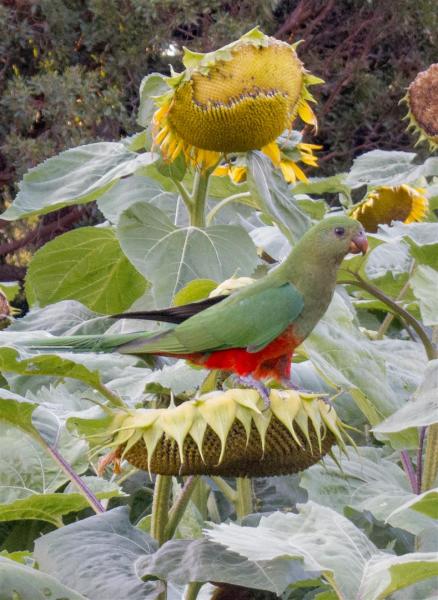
[359,243]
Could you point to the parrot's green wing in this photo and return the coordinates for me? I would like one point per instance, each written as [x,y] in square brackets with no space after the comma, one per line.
[247,319]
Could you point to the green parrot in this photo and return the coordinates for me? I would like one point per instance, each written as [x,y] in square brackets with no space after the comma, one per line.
[254,331]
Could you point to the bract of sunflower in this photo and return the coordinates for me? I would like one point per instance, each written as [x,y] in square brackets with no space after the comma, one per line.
[385,204]
[238,98]
[422,101]
[228,433]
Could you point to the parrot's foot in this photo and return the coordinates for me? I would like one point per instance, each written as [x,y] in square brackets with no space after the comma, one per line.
[249,381]
[287,383]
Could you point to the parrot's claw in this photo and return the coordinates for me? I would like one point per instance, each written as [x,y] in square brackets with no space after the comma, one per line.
[287,383]
[249,381]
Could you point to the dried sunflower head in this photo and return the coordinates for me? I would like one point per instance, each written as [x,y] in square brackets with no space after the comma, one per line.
[391,203]
[227,433]
[238,98]
[422,100]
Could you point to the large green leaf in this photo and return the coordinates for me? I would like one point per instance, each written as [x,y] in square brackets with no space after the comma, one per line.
[424,283]
[29,477]
[130,191]
[379,375]
[170,257]
[46,364]
[383,576]
[422,238]
[67,317]
[425,503]
[274,198]
[383,167]
[75,176]
[323,185]
[183,561]
[86,265]
[99,556]
[368,482]
[18,582]
[421,411]
[16,410]
[318,537]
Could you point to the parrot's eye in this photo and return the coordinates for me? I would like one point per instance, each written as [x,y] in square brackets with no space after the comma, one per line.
[339,231]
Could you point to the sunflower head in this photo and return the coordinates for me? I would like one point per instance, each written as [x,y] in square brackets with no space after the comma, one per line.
[239,98]
[228,433]
[391,203]
[423,106]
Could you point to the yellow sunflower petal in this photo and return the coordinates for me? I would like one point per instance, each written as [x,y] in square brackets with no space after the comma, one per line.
[307,114]
[298,172]
[287,171]
[273,151]
[238,174]
[221,171]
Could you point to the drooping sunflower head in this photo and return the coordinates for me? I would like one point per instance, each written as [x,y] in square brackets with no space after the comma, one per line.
[391,203]
[239,98]
[228,433]
[422,100]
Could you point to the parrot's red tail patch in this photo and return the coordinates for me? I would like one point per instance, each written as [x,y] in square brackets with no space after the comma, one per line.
[273,361]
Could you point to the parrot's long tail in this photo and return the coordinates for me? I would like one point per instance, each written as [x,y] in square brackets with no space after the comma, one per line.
[84,343]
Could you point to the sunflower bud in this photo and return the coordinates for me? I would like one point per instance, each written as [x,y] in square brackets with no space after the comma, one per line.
[386,204]
[228,433]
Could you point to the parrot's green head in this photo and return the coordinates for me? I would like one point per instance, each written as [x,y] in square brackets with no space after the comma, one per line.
[335,237]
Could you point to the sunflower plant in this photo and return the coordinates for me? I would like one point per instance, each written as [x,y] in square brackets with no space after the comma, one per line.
[130,478]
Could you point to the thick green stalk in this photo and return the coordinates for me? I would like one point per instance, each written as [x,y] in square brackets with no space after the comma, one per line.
[243,502]
[431,455]
[192,590]
[184,194]
[199,199]
[180,505]
[229,493]
[160,507]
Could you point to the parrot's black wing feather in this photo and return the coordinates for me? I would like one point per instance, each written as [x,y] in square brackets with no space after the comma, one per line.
[173,314]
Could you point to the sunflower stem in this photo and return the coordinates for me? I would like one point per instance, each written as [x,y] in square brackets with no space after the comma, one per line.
[430,459]
[76,480]
[184,194]
[243,502]
[192,590]
[397,309]
[219,206]
[112,398]
[199,198]
[229,493]
[160,507]
[177,511]
[390,316]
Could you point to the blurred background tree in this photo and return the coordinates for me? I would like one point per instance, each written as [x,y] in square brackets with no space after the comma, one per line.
[70,72]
